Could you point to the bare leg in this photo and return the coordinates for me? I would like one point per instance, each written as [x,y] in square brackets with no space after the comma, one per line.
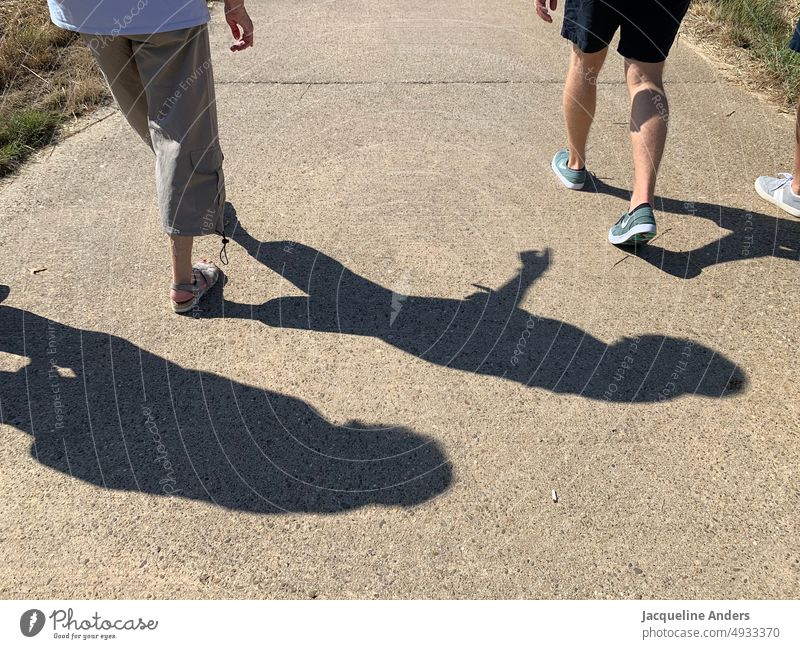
[796,179]
[580,99]
[649,120]
[181,255]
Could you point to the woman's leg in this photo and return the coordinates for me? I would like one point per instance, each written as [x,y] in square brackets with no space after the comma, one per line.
[114,56]
[181,257]
[178,78]
[116,60]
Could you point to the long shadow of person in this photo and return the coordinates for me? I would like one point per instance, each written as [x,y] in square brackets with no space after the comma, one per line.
[485,333]
[752,234]
[108,412]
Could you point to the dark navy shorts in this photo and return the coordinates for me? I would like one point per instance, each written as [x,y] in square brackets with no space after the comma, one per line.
[794,44]
[647,27]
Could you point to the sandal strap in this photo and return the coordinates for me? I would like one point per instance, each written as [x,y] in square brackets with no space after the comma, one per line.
[205,270]
[209,272]
[186,287]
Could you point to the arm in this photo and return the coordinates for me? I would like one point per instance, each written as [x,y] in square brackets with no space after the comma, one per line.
[241,26]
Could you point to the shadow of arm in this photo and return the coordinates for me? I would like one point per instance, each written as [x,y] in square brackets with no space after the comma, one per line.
[534,265]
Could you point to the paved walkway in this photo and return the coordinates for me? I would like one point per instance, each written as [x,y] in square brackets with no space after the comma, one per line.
[422,336]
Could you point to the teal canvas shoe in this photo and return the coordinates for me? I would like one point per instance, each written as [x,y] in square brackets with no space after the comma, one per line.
[572,178]
[638,226]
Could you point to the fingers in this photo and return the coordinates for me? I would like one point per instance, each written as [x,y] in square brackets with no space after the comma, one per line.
[247,36]
[242,29]
[542,12]
[234,27]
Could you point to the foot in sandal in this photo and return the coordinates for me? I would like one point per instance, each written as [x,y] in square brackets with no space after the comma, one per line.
[185,297]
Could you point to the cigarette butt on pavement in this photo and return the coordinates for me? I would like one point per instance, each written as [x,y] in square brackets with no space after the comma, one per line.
[554,496]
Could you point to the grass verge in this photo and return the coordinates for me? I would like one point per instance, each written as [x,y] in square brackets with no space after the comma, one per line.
[751,38]
[47,77]
[22,132]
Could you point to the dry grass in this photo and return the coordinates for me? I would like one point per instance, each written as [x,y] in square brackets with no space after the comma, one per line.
[748,40]
[46,77]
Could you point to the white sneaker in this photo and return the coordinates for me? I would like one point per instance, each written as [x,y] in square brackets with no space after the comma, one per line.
[778,191]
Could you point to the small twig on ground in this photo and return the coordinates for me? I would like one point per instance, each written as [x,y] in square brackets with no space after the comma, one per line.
[619,261]
[97,121]
[55,141]
[658,236]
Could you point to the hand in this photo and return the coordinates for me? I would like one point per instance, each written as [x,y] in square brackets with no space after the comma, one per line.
[534,258]
[542,12]
[241,26]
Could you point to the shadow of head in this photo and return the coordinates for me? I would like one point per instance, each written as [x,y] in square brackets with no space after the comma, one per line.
[110,413]
[651,368]
[328,468]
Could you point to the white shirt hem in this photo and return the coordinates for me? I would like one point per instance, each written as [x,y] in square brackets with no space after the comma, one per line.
[128,31]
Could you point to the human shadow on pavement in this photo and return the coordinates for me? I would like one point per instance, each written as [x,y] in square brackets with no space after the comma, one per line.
[752,234]
[108,412]
[485,333]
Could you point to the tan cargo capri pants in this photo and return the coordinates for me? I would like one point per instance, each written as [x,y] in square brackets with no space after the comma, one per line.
[164,85]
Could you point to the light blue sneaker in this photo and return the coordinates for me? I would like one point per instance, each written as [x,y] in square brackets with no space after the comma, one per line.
[778,191]
[572,178]
[634,227]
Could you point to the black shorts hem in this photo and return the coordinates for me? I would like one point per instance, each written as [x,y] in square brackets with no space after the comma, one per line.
[639,55]
[585,45]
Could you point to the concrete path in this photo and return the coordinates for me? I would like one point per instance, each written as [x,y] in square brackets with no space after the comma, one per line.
[422,336]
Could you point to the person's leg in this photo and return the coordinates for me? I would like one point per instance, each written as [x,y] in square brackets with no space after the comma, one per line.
[114,57]
[580,100]
[590,26]
[794,45]
[783,189]
[181,257]
[796,171]
[176,67]
[648,125]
